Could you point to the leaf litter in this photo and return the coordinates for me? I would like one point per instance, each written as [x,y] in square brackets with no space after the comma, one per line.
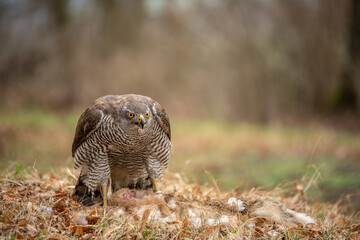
[38,207]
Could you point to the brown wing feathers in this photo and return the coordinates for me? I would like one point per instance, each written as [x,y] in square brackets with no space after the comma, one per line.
[88,123]
[162,119]
[90,119]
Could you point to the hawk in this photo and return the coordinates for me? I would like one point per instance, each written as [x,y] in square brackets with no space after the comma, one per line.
[122,139]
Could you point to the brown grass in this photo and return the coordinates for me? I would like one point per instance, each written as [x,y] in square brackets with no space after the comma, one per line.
[37,206]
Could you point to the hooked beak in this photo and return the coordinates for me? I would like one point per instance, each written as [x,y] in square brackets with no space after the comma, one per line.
[141,122]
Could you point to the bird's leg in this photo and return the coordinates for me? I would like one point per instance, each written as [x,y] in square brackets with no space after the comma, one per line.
[154,170]
[104,195]
[155,185]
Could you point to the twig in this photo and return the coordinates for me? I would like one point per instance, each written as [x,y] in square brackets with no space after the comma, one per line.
[313,150]
[213,180]
[313,179]
[70,173]
[12,181]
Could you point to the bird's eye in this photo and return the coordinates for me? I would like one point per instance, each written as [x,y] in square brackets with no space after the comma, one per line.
[147,115]
[131,115]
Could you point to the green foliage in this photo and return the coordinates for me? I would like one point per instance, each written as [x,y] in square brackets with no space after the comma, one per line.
[146,233]
[238,155]
[18,167]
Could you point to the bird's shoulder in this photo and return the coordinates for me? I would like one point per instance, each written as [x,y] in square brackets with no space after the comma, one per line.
[161,117]
[91,118]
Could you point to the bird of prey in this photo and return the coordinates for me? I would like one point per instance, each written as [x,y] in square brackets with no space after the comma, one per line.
[122,139]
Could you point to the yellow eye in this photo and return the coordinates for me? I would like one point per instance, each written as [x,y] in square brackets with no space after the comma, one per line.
[131,115]
[147,115]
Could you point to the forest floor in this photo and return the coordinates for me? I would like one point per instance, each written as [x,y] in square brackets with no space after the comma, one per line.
[311,168]
[237,154]
[41,206]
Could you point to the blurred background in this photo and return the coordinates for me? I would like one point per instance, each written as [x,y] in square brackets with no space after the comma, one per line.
[259,93]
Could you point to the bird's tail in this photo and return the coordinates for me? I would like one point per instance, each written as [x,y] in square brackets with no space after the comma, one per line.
[85,196]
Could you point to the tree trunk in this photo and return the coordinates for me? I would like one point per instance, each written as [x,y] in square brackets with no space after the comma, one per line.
[347,94]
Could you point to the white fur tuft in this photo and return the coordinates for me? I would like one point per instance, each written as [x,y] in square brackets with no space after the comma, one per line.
[302,217]
[237,202]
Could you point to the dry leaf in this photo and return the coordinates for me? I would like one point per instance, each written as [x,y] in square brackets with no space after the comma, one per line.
[356,228]
[260,221]
[314,228]
[6,219]
[59,205]
[343,223]
[136,217]
[80,230]
[144,219]
[60,193]
[211,230]
[354,236]
[196,191]
[19,236]
[92,219]
[21,222]
[299,187]
[11,190]
[185,223]
[258,230]
[87,236]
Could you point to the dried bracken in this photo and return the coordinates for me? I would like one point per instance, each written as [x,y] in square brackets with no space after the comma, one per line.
[37,207]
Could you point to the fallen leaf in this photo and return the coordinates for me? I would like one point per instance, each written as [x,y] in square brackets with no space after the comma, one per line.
[259,221]
[21,222]
[258,230]
[87,236]
[299,187]
[343,223]
[9,226]
[19,236]
[6,219]
[11,190]
[60,193]
[196,191]
[144,219]
[93,219]
[314,228]
[53,176]
[80,230]
[136,217]
[185,223]
[211,230]
[356,228]
[59,205]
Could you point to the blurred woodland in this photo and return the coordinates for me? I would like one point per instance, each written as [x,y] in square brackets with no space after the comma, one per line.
[248,60]
[231,74]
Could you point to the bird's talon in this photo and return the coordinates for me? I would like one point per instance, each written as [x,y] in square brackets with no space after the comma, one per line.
[155,185]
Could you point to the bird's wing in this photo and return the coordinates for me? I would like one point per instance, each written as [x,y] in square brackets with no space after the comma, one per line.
[161,117]
[88,122]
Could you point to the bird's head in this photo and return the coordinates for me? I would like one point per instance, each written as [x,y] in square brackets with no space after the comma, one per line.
[137,117]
